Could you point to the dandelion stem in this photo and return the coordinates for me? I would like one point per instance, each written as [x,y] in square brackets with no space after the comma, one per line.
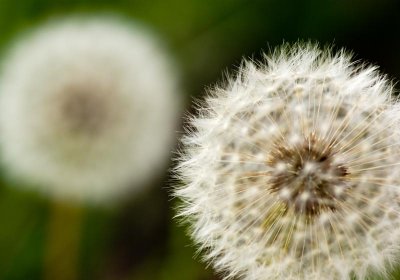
[64,232]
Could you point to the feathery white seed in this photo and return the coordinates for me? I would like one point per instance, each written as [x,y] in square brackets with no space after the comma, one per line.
[323,200]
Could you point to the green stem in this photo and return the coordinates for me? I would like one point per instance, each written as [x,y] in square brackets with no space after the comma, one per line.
[64,234]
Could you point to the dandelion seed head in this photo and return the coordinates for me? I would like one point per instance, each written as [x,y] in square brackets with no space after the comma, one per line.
[88,108]
[320,199]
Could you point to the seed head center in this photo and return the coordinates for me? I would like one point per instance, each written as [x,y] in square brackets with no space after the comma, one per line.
[83,112]
[306,175]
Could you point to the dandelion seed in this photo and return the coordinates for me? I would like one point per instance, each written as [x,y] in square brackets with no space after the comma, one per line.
[323,200]
[88,108]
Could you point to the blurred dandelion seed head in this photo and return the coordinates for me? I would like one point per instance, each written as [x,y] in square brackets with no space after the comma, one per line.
[291,171]
[88,107]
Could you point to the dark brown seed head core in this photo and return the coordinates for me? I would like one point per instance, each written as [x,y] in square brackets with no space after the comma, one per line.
[306,176]
[83,112]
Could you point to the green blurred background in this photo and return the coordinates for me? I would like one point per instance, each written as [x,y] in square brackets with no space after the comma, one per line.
[138,239]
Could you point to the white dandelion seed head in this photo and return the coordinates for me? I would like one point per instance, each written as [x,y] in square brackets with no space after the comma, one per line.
[322,202]
[88,108]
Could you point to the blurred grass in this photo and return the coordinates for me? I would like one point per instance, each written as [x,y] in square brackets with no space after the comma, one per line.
[138,239]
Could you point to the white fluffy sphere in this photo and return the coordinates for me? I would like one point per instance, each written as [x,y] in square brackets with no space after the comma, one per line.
[88,108]
[292,170]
